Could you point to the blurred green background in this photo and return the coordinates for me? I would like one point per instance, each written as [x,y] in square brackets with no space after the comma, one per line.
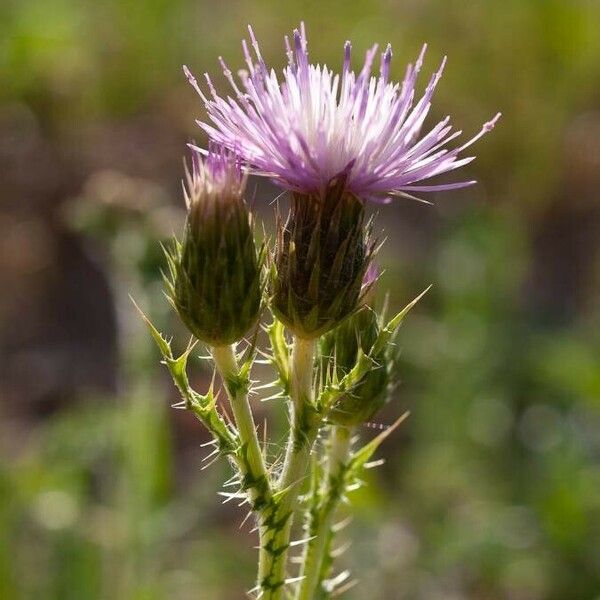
[492,489]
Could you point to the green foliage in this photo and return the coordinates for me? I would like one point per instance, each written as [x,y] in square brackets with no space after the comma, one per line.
[203,406]
[340,350]
[365,368]
[279,356]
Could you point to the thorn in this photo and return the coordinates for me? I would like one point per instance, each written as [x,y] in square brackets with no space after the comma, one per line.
[228,419]
[248,515]
[344,588]
[374,463]
[274,466]
[293,579]
[261,361]
[209,464]
[234,477]
[256,590]
[209,456]
[265,441]
[210,443]
[229,496]
[337,552]
[236,482]
[337,527]
[264,354]
[300,542]
[266,386]
[277,396]
[334,582]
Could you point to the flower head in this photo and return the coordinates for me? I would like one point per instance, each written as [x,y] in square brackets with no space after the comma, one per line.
[322,254]
[314,125]
[215,281]
[217,179]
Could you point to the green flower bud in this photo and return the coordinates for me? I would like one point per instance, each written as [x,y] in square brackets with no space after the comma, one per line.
[339,350]
[321,257]
[215,282]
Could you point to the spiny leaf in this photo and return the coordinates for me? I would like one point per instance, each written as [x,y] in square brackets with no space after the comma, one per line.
[281,356]
[249,355]
[389,330]
[203,406]
[178,366]
[163,345]
[364,454]
[333,390]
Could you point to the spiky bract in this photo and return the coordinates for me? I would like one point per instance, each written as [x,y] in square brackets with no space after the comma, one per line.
[322,254]
[339,351]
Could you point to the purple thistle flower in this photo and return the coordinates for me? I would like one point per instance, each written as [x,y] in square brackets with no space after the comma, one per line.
[216,177]
[371,276]
[315,125]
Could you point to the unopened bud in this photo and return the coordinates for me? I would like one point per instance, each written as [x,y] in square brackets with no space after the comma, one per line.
[214,278]
[340,350]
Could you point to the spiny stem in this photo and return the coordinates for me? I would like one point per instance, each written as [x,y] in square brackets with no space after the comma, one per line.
[321,517]
[304,424]
[237,391]
[249,460]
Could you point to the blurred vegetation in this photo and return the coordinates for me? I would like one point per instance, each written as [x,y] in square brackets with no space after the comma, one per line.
[492,489]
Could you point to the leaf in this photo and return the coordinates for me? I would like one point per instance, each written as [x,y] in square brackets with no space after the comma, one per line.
[203,406]
[163,345]
[333,390]
[390,329]
[281,356]
[178,366]
[364,454]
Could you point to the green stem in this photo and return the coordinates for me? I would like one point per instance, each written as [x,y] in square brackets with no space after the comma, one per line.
[255,475]
[304,422]
[321,518]
[250,461]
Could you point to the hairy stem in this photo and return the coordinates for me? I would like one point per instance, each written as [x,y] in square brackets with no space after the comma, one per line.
[321,517]
[304,422]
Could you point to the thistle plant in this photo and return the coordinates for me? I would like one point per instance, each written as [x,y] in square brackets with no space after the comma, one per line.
[333,143]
